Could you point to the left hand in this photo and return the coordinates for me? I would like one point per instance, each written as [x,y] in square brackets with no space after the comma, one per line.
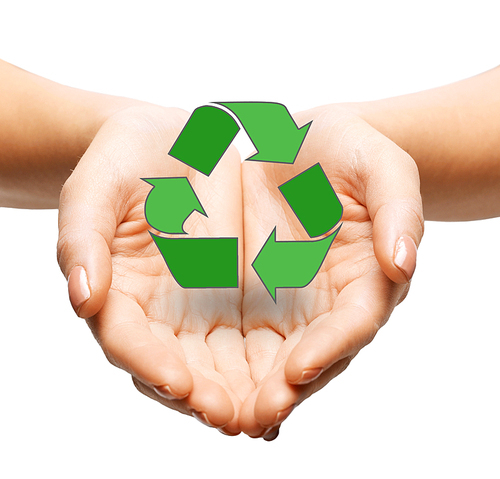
[296,346]
[183,347]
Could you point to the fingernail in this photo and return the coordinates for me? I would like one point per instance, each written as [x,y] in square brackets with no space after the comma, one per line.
[202,417]
[281,416]
[226,433]
[405,256]
[166,392]
[78,288]
[271,436]
[309,375]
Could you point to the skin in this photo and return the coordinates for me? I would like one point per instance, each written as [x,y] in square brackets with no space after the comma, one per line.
[185,348]
[324,325]
[453,134]
[45,129]
[189,357]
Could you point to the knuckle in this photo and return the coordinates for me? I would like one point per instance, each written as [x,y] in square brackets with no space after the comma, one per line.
[63,248]
[413,208]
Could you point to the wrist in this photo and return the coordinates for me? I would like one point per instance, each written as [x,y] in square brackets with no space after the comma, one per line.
[46,128]
[386,117]
[452,144]
[88,112]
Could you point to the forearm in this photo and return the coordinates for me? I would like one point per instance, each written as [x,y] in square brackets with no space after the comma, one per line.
[45,128]
[453,134]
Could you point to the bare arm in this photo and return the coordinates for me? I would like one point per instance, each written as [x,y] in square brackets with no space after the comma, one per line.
[45,128]
[453,134]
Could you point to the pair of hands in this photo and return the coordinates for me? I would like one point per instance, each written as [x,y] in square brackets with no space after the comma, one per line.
[233,358]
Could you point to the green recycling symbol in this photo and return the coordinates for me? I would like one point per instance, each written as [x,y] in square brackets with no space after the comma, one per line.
[213,262]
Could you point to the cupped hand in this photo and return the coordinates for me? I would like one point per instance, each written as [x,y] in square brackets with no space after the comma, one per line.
[183,347]
[297,345]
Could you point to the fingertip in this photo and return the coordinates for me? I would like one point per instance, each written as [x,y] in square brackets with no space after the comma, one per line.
[399,259]
[276,401]
[247,421]
[78,288]
[178,388]
[304,365]
[210,403]
[295,366]
[166,392]
[394,203]
[226,432]
[272,434]
[88,261]
[180,380]
[405,257]
[203,418]
[304,377]
[86,297]
[168,375]
[397,230]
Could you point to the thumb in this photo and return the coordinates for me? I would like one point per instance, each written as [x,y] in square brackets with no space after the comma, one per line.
[87,225]
[395,208]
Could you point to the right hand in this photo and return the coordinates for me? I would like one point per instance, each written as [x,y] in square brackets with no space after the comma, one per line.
[296,346]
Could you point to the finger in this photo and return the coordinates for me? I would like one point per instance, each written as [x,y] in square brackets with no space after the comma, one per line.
[207,402]
[272,434]
[395,208]
[266,350]
[89,211]
[247,422]
[210,403]
[277,398]
[221,404]
[179,405]
[228,352]
[262,346]
[275,401]
[359,311]
[122,330]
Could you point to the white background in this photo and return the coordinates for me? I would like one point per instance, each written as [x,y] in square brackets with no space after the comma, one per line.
[421,401]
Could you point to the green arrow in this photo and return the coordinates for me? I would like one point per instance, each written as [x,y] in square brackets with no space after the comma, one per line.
[206,136]
[290,264]
[313,200]
[170,203]
[201,262]
[271,129]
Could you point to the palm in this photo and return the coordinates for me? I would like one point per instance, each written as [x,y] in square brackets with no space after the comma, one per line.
[149,325]
[189,344]
[338,313]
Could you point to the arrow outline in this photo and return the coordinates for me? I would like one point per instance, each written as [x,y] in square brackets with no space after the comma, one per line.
[207,105]
[239,124]
[334,234]
[202,238]
[204,213]
[250,158]
[334,192]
